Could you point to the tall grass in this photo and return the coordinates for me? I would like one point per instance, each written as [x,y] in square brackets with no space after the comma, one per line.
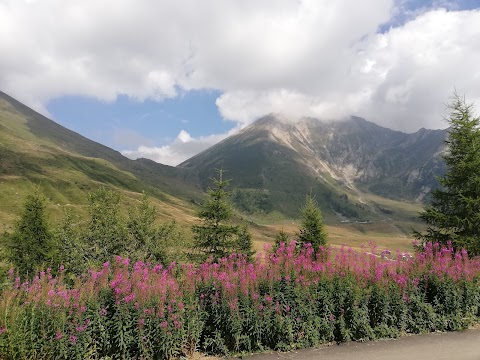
[286,299]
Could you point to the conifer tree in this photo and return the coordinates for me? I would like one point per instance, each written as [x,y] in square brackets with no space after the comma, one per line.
[281,237]
[454,212]
[215,236]
[31,245]
[312,228]
[244,242]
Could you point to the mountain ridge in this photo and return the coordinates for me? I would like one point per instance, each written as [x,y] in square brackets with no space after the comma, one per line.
[273,163]
[333,156]
[151,173]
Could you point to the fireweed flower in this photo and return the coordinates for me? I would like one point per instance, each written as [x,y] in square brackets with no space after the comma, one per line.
[232,285]
[73,339]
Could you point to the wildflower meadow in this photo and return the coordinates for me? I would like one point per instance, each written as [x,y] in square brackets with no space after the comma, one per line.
[287,298]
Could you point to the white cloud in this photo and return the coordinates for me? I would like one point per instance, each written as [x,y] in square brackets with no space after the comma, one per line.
[309,57]
[418,66]
[399,79]
[182,148]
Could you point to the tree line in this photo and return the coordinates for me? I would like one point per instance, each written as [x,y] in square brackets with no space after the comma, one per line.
[452,216]
[77,245]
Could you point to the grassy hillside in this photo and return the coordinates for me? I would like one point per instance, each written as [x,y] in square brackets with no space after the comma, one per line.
[38,154]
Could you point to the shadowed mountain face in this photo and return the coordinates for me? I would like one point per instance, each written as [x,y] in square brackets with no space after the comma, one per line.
[277,159]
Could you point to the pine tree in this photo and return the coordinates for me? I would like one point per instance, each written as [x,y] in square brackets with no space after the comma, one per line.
[312,227]
[281,237]
[244,242]
[454,212]
[31,245]
[215,236]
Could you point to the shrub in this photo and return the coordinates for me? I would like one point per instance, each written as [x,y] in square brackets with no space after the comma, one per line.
[286,299]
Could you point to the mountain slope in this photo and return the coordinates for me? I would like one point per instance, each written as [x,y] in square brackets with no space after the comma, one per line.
[50,133]
[276,162]
[37,152]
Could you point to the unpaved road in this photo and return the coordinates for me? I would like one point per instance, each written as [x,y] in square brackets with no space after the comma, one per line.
[464,345]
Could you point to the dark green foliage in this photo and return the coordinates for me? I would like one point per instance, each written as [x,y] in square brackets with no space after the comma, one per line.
[106,234]
[252,201]
[312,228]
[170,244]
[217,237]
[281,237]
[244,242]
[336,309]
[72,251]
[454,212]
[148,241]
[31,245]
[143,233]
[341,204]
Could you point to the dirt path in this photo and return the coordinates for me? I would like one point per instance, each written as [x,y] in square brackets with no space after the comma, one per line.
[463,345]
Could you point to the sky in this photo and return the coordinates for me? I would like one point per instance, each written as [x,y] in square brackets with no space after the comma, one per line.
[167,79]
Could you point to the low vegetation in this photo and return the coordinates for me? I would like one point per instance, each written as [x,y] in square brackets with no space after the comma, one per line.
[78,244]
[284,300]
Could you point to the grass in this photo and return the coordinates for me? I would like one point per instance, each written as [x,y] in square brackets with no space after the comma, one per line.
[338,235]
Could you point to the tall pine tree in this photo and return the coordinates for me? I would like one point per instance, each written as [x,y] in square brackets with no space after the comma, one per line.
[312,228]
[215,237]
[454,212]
[31,245]
[244,242]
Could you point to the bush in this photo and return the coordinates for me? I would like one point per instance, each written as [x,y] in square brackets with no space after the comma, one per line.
[288,299]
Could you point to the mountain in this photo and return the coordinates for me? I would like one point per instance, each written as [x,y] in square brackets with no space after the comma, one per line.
[351,166]
[275,162]
[37,152]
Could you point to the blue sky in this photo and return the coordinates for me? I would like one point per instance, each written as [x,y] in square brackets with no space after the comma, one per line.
[166,80]
[126,123]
